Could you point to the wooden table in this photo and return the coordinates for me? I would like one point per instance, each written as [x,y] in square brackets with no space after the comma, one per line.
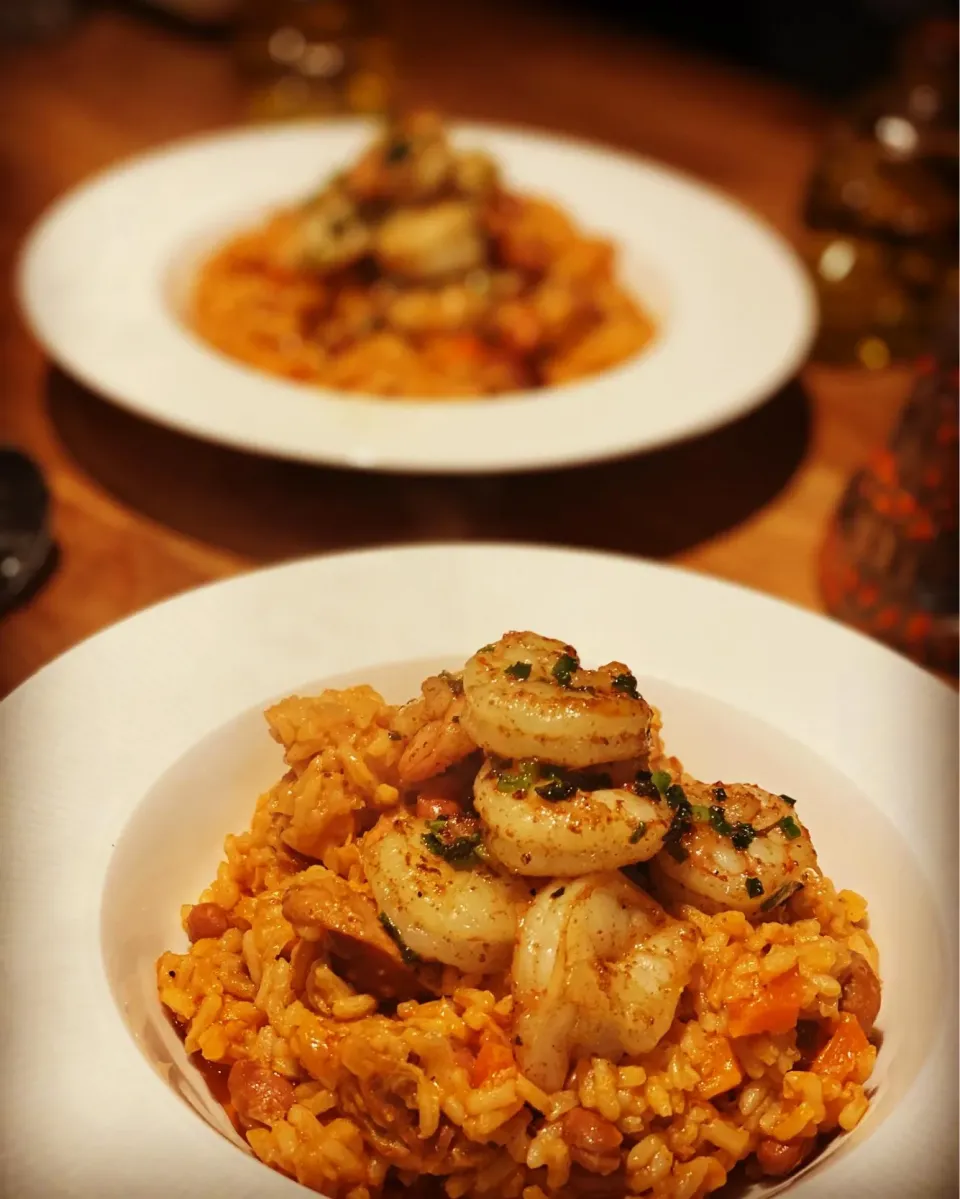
[142,513]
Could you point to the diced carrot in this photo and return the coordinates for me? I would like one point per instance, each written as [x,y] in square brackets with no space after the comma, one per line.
[432,807]
[493,1057]
[838,1058]
[721,1071]
[775,1009]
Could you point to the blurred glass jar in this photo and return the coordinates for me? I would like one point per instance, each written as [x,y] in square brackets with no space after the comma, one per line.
[890,561]
[882,210]
[304,58]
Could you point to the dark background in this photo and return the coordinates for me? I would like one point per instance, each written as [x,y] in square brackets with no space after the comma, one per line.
[831,47]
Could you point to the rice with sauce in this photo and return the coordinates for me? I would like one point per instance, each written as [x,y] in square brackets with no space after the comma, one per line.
[343,1083]
[416,272]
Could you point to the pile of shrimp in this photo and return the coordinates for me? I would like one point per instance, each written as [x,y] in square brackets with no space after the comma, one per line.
[415,272]
[498,937]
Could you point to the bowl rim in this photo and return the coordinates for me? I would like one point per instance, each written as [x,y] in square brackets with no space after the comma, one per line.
[202,671]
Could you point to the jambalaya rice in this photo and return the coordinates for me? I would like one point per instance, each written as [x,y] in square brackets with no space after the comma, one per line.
[354,1063]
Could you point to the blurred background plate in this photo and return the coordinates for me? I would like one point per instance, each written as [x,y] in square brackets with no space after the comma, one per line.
[105,274]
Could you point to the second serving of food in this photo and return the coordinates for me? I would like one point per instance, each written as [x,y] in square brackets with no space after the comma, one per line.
[417,272]
[497,940]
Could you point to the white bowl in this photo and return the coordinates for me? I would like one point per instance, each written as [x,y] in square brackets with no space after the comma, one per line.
[128,760]
[104,274]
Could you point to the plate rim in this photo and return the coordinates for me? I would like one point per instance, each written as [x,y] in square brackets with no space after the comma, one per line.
[775,244]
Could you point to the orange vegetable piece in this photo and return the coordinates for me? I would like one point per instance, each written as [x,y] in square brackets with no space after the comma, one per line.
[838,1058]
[721,1072]
[493,1057]
[775,1009]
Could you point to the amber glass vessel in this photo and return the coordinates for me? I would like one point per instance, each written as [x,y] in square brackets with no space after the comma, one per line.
[890,560]
[301,58]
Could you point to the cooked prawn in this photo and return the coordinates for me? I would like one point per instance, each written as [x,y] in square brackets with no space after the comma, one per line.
[599,970]
[457,911]
[733,845]
[528,697]
[435,242]
[544,822]
[437,740]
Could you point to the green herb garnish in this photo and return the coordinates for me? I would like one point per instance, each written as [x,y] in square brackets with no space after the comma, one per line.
[461,851]
[519,670]
[791,830]
[788,799]
[638,832]
[397,150]
[720,792]
[626,683]
[521,779]
[742,834]
[719,822]
[563,668]
[754,888]
[557,789]
[455,684]
[486,649]
[407,955]
[675,795]
[700,812]
[661,780]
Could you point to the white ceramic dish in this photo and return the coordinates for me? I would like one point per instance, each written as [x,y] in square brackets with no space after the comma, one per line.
[126,761]
[106,269]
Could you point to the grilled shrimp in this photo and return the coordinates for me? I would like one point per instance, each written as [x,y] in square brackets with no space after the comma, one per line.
[528,697]
[430,243]
[328,236]
[732,845]
[432,722]
[541,821]
[442,902]
[414,162]
[599,970]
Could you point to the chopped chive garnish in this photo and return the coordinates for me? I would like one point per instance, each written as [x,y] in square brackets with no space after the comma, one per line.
[676,851]
[563,668]
[626,683]
[438,825]
[455,684]
[407,955]
[788,799]
[519,670]
[521,779]
[719,822]
[700,812]
[486,649]
[460,852]
[397,150]
[557,789]
[720,792]
[754,888]
[742,834]
[791,829]
[638,832]
[675,795]
[661,780]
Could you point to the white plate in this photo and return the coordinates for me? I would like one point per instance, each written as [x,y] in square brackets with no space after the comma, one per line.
[104,271]
[126,761]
